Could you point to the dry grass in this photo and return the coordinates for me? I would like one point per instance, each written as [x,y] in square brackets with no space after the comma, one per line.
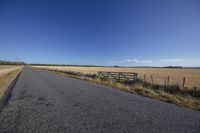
[4,69]
[159,74]
[138,89]
[7,77]
[6,66]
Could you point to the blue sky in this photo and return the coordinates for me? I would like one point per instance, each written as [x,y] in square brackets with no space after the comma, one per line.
[101,32]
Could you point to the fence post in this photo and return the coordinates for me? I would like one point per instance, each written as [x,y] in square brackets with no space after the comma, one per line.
[164,81]
[168,80]
[183,85]
[152,79]
[136,77]
[144,77]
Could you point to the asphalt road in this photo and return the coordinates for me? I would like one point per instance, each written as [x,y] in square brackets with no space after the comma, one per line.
[44,102]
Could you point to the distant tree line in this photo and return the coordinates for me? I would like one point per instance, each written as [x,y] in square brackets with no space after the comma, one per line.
[173,67]
[11,63]
[36,64]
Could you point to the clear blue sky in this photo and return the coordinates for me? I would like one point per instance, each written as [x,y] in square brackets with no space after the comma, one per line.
[101,32]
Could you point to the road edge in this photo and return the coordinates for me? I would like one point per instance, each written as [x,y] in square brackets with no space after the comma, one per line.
[7,95]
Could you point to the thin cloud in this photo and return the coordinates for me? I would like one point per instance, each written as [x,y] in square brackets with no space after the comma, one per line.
[137,61]
[130,61]
[159,62]
[172,60]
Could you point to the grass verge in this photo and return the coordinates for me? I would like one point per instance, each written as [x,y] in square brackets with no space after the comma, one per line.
[6,79]
[179,100]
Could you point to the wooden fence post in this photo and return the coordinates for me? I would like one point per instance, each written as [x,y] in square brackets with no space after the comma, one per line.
[152,79]
[107,75]
[168,80]
[144,77]
[136,77]
[183,85]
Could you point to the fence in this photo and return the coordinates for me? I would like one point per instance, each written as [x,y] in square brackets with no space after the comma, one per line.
[164,80]
[129,77]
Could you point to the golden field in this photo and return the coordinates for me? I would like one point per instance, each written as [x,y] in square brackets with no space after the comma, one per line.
[7,74]
[4,69]
[6,66]
[192,76]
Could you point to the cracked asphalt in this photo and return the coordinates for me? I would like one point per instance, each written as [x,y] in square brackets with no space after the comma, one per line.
[43,102]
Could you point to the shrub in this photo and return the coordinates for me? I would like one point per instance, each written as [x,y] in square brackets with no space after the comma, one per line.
[93,76]
[146,84]
[172,89]
[155,87]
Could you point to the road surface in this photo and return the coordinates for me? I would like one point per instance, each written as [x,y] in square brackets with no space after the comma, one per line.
[43,102]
